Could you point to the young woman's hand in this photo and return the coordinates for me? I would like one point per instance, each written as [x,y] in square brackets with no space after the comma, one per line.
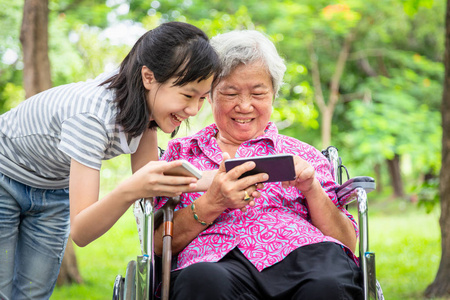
[150,181]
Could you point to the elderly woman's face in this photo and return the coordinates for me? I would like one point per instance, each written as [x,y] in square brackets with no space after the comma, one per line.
[242,103]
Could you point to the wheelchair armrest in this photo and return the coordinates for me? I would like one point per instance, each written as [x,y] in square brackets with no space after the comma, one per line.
[343,192]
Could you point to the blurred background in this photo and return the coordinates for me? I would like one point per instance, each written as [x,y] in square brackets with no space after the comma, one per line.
[364,76]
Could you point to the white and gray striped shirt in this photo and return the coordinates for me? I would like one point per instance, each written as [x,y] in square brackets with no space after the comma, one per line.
[39,137]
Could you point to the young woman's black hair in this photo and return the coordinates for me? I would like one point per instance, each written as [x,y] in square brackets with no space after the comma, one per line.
[173,49]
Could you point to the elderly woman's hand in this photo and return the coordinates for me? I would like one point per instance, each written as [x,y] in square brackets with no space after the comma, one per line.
[228,191]
[305,179]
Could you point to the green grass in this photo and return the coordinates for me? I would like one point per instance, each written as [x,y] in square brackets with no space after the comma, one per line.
[407,248]
[102,260]
[405,239]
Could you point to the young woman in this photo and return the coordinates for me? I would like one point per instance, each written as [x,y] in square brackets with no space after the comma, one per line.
[52,146]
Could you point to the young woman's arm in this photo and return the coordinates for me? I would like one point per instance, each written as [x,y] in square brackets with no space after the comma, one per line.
[90,218]
[147,150]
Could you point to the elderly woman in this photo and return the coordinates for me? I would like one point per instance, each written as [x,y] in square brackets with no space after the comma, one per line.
[290,240]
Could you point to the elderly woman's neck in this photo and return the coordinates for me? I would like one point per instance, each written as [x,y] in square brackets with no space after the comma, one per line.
[227,145]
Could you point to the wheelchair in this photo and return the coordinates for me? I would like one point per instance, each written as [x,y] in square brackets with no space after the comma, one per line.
[141,277]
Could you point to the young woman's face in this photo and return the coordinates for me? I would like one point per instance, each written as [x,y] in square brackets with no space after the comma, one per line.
[242,103]
[170,105]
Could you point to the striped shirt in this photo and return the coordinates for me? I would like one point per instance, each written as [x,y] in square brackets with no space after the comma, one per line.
[76,121]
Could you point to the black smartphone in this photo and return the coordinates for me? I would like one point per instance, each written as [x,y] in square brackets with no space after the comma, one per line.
[186,169]
[279,167]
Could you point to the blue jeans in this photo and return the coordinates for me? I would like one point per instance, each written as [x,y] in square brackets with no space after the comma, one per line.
[34,227]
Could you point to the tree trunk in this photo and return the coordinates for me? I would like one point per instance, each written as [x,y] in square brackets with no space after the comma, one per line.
[34,40]
[327,120]
[37,78]
[327,109]
[69,267]
[396,176]
[379,182]
[441,284]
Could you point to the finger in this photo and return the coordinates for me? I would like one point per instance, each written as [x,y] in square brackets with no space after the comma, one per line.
[286,184]
[225,156]
[247,196]
[237,171]
[252,180]
[251,203]
[255,194]
[168,194]
[178,180]
[167,165]
[172,190]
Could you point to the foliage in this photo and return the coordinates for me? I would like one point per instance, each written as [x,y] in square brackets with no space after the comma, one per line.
[10,77]
[401,115]
[428,194]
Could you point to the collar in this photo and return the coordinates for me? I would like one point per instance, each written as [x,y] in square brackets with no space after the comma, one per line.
[205,140]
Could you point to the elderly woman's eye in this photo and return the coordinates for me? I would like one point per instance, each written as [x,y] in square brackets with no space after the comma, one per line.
[259,94]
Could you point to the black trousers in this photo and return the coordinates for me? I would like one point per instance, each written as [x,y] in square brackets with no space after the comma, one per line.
[318,271]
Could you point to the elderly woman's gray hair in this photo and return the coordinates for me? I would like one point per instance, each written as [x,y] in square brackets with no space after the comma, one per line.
[245,47]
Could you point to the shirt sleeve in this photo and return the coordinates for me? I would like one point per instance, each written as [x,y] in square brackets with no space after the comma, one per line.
[84,138]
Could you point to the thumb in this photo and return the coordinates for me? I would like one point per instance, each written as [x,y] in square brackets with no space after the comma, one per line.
[225,156]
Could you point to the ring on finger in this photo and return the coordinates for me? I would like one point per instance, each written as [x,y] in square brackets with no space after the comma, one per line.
[246,196]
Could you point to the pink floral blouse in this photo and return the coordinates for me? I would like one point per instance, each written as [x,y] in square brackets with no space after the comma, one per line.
[278,224]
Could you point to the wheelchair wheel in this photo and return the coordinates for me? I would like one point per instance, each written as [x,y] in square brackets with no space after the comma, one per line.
[129,291]
[118,288]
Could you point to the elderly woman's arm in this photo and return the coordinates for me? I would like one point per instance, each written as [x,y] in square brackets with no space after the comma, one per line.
[328,218]
[324,213]
[186,227]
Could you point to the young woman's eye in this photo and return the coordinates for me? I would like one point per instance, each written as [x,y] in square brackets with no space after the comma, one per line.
[187,96]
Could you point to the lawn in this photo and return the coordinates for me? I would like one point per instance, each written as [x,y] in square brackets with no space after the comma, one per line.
[406,241]
[407,247]
[102,260]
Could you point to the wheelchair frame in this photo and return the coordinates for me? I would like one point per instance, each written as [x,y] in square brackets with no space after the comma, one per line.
[139,280]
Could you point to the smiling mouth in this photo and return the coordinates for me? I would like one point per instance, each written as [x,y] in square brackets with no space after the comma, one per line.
[177,118]
[243,121]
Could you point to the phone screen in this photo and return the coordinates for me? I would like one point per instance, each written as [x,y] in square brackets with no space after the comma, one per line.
[279,167]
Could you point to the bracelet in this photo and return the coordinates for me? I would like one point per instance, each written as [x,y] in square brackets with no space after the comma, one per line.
[196,216]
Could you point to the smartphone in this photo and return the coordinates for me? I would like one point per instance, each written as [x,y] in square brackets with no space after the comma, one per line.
[279,167]
[186,169]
